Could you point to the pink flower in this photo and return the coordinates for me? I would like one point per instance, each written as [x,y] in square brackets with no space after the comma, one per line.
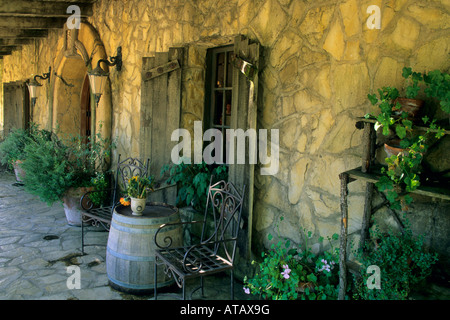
[246,290]
[286,271]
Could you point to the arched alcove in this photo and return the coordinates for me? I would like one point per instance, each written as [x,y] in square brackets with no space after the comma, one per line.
[69,85]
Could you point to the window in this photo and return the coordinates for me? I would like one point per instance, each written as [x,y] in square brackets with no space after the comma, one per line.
[218,93]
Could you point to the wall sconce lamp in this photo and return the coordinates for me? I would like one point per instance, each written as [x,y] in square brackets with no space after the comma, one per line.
[97,77]
[34,84]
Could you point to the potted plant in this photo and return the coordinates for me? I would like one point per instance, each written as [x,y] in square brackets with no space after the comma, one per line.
[60,170]
[138,188]
[12,148]
[407,149]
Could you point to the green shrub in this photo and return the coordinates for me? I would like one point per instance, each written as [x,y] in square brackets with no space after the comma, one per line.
[52,166]
[403,262]
[193,181]
[12,148]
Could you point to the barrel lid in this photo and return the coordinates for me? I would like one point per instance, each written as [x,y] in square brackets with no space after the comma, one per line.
[152,210]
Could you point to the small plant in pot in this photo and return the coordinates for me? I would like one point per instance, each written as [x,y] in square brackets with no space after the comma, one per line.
[60,170]
[138,188]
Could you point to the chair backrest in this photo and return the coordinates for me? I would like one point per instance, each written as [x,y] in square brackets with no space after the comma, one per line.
[223,215]
[126,169]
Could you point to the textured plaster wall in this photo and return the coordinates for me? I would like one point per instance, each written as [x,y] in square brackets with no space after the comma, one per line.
[321,61]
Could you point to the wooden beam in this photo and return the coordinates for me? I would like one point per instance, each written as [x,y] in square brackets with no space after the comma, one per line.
[38,8]
[5,53]
[9,48]
[14,42]
[32,23]
[9,33]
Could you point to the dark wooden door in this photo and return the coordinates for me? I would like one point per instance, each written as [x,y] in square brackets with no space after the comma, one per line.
[16,106]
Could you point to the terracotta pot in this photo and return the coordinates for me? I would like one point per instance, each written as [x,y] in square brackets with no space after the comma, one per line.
[392,147]
[410,106]
[71,203]
[19,172]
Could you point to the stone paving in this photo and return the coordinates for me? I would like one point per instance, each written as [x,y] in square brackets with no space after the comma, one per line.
[37,247]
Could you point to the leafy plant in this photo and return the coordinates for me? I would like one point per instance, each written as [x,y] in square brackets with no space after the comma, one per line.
[52,165]
[287,274]
[100,183]
[402,175]
[403,262]
[138,187]
[12,147]
[193,181]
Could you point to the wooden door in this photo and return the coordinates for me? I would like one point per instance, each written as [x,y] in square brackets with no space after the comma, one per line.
[160,115]
[244,100]
[85,109]
[16,106]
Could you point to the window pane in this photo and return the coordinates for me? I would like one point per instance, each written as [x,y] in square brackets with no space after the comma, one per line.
[228,108]
[218,107]
[229,82]
[220,70]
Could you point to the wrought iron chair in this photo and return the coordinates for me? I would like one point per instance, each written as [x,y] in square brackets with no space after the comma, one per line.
[101,216]
[217,247]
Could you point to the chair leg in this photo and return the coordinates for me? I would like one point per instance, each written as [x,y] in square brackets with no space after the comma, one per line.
[156,280]
[201,283]
[232,285]
[184,288]
[82,235]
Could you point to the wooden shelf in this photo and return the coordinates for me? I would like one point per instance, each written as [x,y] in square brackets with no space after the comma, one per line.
[370,173]
[434,191]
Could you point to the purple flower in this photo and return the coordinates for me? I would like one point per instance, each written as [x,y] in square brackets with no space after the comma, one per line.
[286,271]
[246,290]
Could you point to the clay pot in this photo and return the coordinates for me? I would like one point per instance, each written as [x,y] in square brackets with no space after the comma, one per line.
[410,106]
[72,207]
[392,147]
[19,172]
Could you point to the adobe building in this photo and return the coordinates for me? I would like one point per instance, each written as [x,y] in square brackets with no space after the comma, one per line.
[312,65]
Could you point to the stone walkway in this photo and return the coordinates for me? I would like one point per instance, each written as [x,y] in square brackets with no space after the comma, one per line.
[38,248]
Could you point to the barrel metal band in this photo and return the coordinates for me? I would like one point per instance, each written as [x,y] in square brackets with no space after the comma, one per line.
[127,257]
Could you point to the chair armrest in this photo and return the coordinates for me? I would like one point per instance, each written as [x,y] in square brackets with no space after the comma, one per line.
[168,240]
[86,202]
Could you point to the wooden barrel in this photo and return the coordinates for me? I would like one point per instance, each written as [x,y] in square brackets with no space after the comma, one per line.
[130,252]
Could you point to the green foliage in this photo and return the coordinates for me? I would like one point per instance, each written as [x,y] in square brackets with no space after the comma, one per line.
[100,183]
[52,165]
[13,147]
[193,181]
[402,260]
[288,274]
[403,173]
[138,186]
[438,86]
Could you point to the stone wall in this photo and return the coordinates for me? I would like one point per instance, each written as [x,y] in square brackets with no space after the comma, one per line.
[320,62]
